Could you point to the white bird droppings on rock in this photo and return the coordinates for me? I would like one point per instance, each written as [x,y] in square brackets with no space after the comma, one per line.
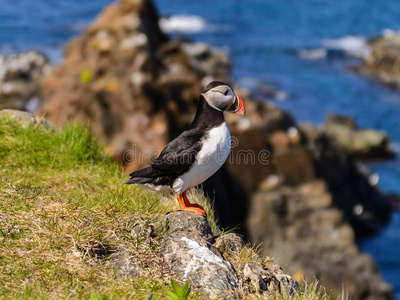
[201,255]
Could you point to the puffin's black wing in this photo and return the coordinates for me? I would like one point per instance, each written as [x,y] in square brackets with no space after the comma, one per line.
[179,154]
[175,159]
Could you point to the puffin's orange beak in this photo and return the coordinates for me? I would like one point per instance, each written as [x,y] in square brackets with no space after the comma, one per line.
[241,110]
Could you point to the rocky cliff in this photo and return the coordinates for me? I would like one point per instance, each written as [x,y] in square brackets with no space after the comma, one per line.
[20,79]
[384,60]
[296,190]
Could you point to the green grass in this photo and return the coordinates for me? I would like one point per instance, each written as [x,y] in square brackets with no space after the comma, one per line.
[65,214]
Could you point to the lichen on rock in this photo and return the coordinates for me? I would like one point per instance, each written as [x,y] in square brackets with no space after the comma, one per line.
[24,118]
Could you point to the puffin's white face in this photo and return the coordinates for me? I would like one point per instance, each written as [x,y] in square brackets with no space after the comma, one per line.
[222,98]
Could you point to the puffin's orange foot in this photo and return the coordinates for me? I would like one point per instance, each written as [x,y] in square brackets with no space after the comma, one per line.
[187,202]
[195,205]
[197,210]
[185,205]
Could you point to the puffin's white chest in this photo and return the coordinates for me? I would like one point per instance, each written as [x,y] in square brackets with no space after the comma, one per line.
[215,149]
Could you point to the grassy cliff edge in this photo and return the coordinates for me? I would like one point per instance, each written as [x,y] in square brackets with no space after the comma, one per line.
[64,214]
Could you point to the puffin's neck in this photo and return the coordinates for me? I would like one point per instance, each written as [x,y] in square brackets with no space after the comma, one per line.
[207,116]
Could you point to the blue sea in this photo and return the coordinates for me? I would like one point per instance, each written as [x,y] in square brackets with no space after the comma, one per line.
[263,39]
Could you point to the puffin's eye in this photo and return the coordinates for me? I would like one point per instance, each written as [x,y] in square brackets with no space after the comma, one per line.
[226,92]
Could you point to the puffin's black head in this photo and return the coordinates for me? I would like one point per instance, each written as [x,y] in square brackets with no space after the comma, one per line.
[222,97]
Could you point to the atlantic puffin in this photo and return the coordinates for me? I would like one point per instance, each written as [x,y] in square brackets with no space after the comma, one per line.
[198,152]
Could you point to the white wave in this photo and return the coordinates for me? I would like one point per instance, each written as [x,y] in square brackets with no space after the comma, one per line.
[355,46]
[312,54]
[183,24]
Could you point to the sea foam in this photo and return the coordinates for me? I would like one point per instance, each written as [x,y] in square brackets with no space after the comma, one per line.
[355,46]
[183,24]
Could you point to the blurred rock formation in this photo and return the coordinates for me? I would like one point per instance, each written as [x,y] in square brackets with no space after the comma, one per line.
[363,144]
[20,78]
[383,62]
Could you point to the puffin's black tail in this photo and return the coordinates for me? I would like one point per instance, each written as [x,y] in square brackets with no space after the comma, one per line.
[145,175]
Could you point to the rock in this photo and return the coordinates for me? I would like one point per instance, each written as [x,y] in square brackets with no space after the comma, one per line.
[346,121]
[208,61]
[349,185]
[360,143]
[25,119]
[301,227]
[20,78]
[384,60]
[229,242]
[188,223]
[189,251]
[125,78]
[211,264]
[269,279]
[253,273]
